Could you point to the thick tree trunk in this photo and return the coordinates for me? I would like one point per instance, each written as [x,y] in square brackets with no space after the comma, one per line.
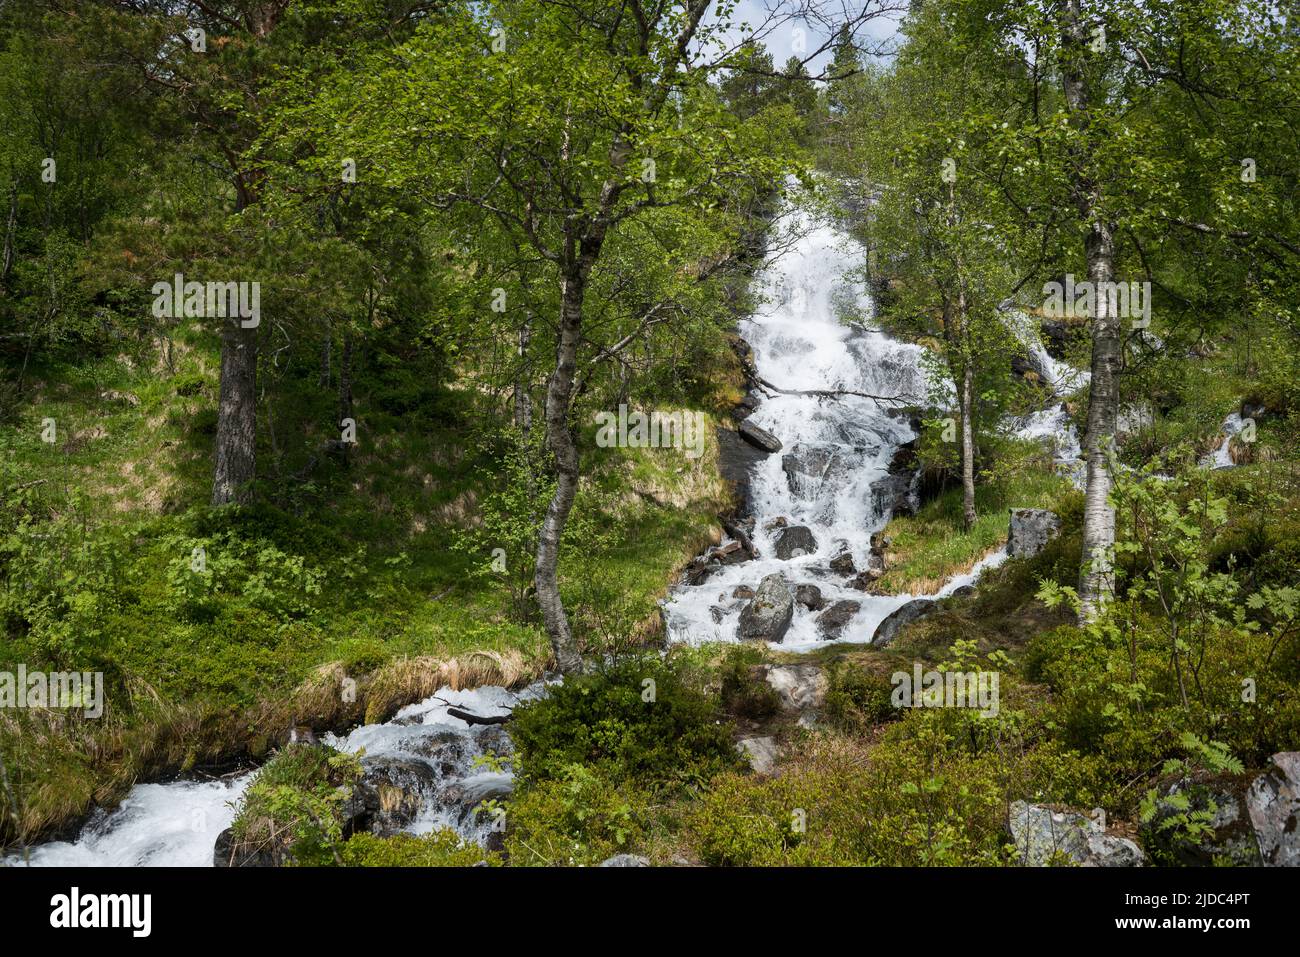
[236,414]
[1103,396]
[562,443]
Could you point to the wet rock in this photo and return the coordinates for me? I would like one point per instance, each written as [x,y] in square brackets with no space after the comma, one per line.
[697,572]
[389,795]
[760,752]
[842,564]
[465,796]
[892,495]
[445,750]
[810,596]
[767,616]
[759,438]
[832,621]
[732,553]
[1252,410]
[227,852]
[1044,835]
[900,618]
[742,591]
[736,461]
[1273,805]
[806,467]
[625,860]
[866,579]
[1031,529]
[779,522]
[795,541]
[962,591]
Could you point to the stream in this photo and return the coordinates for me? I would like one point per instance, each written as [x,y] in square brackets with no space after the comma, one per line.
[832,478]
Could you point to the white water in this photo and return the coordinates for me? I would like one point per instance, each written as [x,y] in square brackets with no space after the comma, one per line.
[801,342]
[177,824]
[1221,458]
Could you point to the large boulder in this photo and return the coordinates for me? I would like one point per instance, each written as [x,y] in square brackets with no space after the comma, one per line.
[732,553]
[1044,835]
[832,622]
[767,616]
[842,564]
[1273,805]
[758,437]
[1031,529]
[229,852]
[900,618]
[1220,800]
[795,541]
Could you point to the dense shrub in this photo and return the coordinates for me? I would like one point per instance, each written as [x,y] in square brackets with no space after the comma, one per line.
[638,721]
[441,848]
[577,817]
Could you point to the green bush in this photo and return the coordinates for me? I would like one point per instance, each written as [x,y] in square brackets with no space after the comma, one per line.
[443,848]
[743,693]
[857,698]
[580,817]
[637,721]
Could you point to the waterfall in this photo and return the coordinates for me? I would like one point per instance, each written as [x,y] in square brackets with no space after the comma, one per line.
[832,475]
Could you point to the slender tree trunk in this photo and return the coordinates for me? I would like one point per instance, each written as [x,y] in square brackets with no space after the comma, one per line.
[562,443]
[524,401]
[11,226]
[967,446]
[236,414]
[1103,396]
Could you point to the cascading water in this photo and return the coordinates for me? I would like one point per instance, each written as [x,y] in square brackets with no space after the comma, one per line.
[177,824]
[832,474]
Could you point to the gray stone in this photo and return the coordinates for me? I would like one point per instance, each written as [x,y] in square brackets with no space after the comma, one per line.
[900,618]
[810,596]
[801,688]
[625,860]
[390,794]
[842,564]
[832,622]
[1030,530]
[807,467]
[1232,838]
[795,541]
[767,616]
[1273,805]
[760,752]
[759,438]
[1044,836]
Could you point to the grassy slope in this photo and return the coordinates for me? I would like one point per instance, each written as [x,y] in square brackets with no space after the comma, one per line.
[395,607]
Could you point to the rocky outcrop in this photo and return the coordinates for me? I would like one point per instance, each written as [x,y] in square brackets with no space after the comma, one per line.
[1030,531]
[900,618]
[832,622]
[625,860]
[767,616]
[1044,836]
[1273,806]
[794,541]
[758,437]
